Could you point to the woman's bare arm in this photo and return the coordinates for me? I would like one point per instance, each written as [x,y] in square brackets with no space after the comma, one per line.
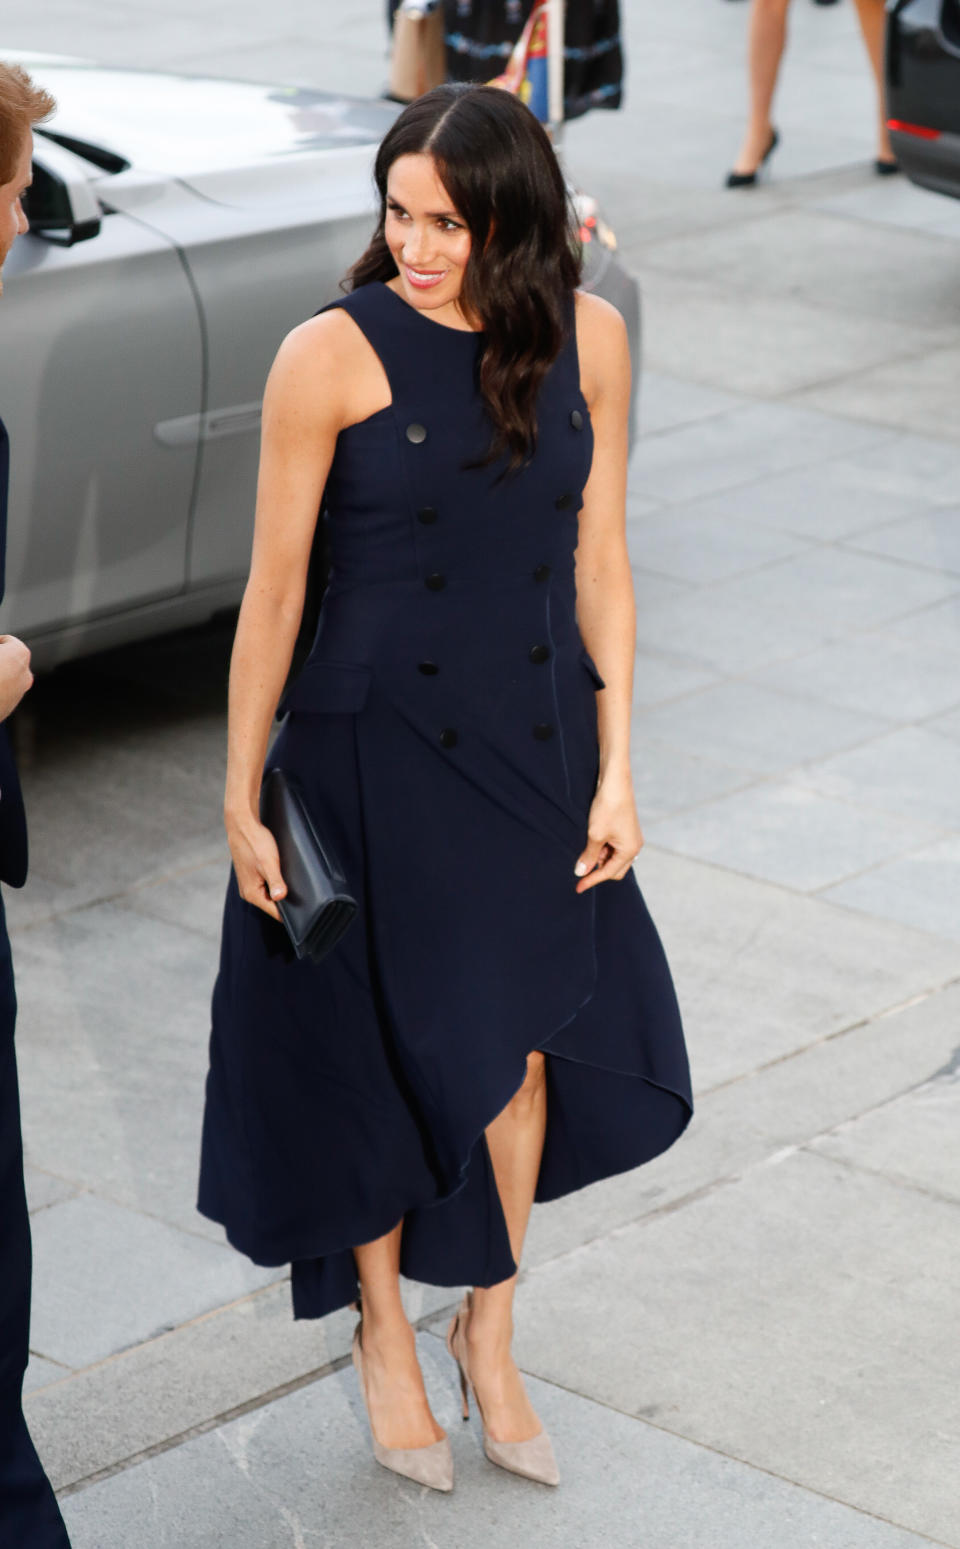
[605,603]
[304,408]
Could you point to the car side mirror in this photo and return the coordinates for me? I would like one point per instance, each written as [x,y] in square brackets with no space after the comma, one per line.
[61,206]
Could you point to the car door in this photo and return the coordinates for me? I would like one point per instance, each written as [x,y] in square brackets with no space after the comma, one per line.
[100,343]
[264,254]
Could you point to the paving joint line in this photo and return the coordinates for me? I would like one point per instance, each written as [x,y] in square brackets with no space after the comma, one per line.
[734,1457]
[214,1422]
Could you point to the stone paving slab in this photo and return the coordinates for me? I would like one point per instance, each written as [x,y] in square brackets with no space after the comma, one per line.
[822,501]
[45,1188]
[667,780]
[299,1472]
[932,539]
[666,402]
[801,1317]
[757,729]
[879,673]
[725,450]
[107,1278]
[787,833]
[689,546]
[193,900]
[946,725]
[909,464]
[238,1354]
[909,773]
[112,1050]
[909,394]
[920,890]
[658,676]
[793,606]
[41,1373]
[769,255]
[903,206]
[762,972]
[766,346]
[912,1139]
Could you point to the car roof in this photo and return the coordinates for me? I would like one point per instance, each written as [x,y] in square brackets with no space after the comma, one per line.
[181,125]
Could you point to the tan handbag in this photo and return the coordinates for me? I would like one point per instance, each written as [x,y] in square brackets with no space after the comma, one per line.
[419,58]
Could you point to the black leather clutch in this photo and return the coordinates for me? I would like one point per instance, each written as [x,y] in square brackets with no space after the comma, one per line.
[318,908]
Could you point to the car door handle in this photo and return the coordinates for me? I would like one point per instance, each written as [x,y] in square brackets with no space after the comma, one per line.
[240,419]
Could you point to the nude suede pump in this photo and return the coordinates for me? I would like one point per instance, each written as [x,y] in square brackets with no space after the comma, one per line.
[432,1466]
[532,1459]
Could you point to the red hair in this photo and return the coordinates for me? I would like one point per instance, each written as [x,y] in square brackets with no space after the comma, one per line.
[22,104]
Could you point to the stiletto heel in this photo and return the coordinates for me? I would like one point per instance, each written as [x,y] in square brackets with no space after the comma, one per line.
[747,179]
[432,1465]
[532,1459]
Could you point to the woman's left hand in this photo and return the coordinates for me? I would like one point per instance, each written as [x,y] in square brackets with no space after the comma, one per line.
[614,836]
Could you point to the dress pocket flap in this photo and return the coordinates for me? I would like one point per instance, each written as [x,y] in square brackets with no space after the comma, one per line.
[324,688]
[590,665]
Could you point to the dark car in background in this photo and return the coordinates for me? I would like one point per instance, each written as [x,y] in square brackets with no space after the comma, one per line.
[923,91]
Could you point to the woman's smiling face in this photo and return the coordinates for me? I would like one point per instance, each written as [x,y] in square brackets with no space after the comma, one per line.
[428,239]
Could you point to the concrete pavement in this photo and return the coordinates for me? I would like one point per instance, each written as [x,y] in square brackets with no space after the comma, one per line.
[752,1341]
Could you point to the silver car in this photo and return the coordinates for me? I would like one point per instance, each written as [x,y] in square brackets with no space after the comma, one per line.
[180,227]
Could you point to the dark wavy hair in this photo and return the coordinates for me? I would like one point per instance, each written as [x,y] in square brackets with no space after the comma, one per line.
[498,166]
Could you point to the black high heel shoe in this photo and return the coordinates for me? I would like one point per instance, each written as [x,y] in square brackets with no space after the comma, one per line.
[747,179]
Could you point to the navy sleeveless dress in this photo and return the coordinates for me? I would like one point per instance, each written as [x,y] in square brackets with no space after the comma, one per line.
[444,730]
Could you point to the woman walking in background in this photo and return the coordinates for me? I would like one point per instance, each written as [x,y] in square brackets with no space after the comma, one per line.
[499,1022]
[768,36]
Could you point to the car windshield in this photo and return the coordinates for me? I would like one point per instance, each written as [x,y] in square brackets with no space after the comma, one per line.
[167,122]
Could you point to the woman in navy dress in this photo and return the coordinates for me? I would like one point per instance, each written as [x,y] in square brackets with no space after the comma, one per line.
[499,1024]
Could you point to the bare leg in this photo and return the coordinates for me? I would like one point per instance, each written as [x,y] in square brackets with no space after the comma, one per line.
[515,1142]
[872,18]
[399,1412]
[768,36]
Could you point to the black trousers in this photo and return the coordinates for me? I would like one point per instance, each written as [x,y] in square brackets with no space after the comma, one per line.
[29,1515]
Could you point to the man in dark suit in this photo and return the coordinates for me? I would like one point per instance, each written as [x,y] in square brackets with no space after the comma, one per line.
[29,1516]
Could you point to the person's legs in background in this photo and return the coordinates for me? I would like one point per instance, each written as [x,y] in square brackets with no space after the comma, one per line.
[872,17]
[767,40]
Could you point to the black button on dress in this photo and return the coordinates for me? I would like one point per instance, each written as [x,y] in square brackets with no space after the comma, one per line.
[345,1095]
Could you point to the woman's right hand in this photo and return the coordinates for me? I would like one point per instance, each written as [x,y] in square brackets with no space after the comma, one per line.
[15,674]
[256,861]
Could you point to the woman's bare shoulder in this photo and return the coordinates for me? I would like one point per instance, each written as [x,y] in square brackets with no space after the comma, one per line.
[602,344]
[598,321]
[325,360]
[323,344]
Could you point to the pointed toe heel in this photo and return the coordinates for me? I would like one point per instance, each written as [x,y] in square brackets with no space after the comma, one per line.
[747,179]
[532,1459]
[431,1466]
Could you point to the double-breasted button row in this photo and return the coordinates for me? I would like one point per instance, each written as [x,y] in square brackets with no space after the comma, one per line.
[542,731]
